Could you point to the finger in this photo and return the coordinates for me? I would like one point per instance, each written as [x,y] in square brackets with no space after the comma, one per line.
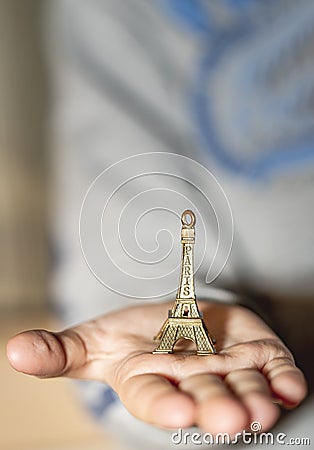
[156,400]
[251,387]
[45,354]
[218,411]
[286,381]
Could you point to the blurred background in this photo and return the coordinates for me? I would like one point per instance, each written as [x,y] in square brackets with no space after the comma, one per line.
[34,414]
[23,263]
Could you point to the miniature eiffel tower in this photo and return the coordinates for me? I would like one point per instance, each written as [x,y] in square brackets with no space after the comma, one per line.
[184,319]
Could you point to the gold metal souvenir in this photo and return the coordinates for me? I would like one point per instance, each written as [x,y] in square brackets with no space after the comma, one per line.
[184,319]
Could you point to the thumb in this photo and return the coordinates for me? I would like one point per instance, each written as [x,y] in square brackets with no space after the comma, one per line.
[46,354]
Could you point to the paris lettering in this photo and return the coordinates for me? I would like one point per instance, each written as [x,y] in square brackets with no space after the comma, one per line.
[187,269]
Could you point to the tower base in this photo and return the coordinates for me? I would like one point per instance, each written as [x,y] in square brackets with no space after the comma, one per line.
[176,328]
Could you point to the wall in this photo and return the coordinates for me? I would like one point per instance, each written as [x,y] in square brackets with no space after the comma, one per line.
[23,243]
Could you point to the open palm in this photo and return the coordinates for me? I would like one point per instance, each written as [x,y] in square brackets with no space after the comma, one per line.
[219,393]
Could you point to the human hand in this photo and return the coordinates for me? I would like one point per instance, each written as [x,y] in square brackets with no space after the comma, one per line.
[219,393]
